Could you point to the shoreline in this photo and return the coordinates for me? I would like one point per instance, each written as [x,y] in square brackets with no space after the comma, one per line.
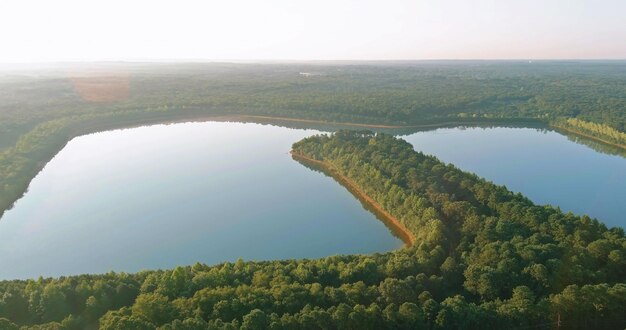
[441,124]
[128,121]
[96,125]
[405,235]
[314,121]
[435,124]
[588,136]
[168,119]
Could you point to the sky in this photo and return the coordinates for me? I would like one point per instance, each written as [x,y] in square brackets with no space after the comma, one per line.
[84,30]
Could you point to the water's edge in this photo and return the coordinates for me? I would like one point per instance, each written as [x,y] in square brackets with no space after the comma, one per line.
[389,220]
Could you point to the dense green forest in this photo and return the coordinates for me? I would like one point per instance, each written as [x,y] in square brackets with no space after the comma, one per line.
[600,131]
[484,257]
[43,108]
[401,93]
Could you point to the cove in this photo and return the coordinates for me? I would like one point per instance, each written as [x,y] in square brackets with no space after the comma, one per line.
[572,173]
[166,195]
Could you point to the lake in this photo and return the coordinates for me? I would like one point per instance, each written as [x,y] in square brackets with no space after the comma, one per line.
[545,166]
[167,195]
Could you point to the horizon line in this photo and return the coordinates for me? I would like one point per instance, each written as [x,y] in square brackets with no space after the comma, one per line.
[244,61]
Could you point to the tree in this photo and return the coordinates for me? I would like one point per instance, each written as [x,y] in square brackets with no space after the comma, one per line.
[155,308]
[255,320]
[7,325]
[53,303]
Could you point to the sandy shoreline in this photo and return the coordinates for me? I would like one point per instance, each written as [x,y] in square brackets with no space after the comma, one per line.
[406,235]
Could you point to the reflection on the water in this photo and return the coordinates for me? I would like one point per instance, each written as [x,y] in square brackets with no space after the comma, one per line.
[595,145]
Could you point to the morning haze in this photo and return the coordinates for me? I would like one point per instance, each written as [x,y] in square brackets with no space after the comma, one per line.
[311,30]
[280,164]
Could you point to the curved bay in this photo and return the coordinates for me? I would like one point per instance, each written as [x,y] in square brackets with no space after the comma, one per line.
[545,166]
[165,195]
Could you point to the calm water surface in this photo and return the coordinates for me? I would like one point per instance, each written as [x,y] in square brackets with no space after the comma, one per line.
[162,196]
[168,195]
[543,165]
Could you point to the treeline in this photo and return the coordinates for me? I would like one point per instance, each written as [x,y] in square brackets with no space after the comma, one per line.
[379,93]
[20,163]
[600,131]
[484,258]
[42,112]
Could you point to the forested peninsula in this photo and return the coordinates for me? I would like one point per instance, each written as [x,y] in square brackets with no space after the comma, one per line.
[328,168]
[483,257]
[42,109]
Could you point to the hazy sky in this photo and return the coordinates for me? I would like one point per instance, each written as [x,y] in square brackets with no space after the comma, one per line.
[68,30]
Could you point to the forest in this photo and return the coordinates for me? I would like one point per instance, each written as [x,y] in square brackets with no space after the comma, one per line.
[483,257]
[594,130]
[403,93]
[41,109]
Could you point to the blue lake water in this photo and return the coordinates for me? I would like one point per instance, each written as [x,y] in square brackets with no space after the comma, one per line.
[544,165]
[167,195]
